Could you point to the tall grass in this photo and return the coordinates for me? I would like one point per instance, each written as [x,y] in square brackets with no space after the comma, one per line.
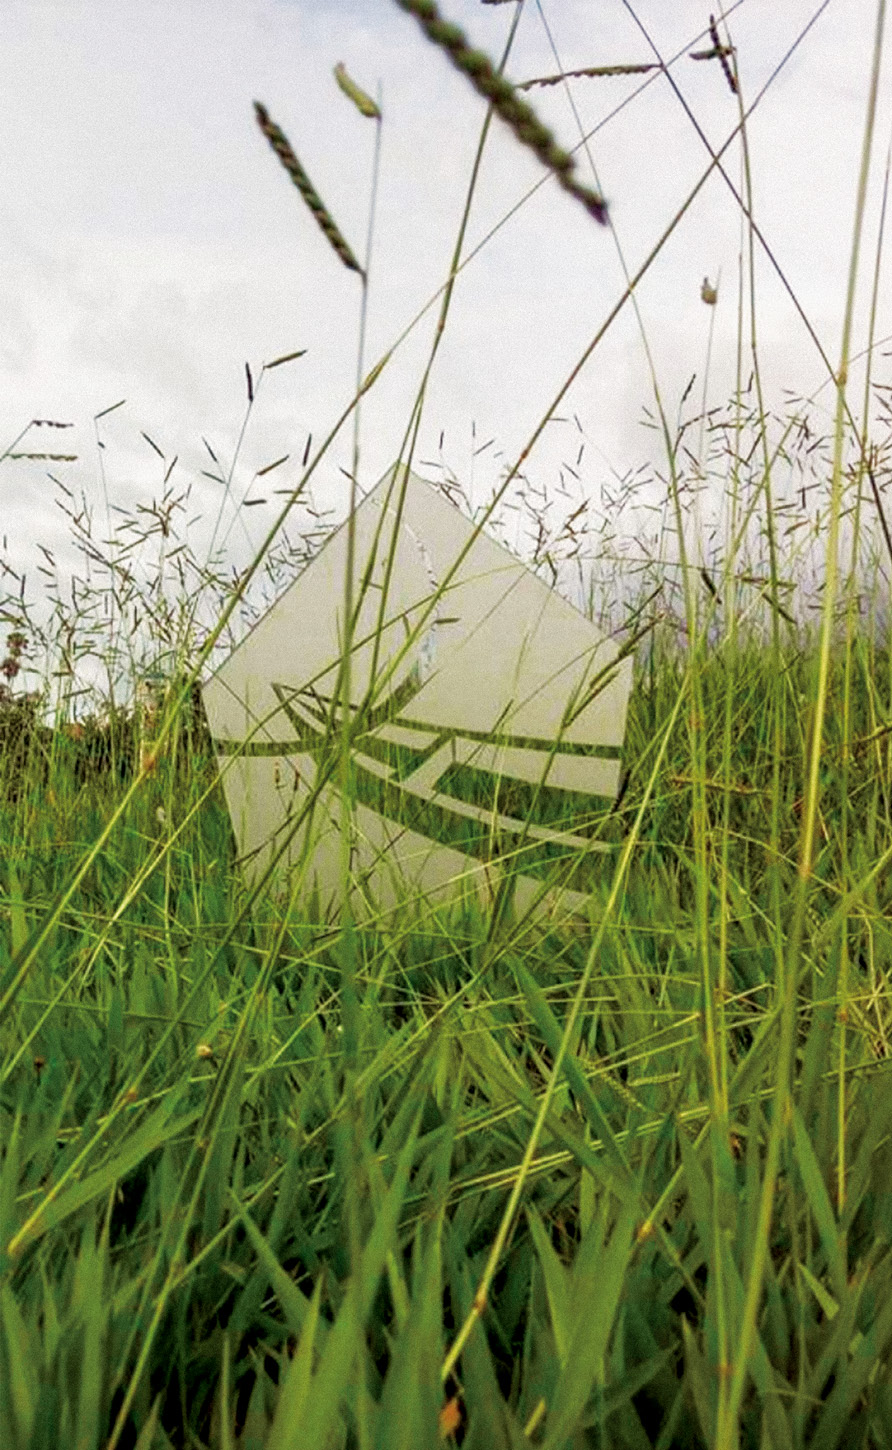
[615,1182]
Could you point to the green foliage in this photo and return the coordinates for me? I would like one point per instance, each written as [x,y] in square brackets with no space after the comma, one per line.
[289,1242]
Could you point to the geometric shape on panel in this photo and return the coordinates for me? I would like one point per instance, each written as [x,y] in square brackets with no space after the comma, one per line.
[488,715]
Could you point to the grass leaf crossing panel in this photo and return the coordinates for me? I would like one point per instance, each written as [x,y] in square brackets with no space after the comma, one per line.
[487,716]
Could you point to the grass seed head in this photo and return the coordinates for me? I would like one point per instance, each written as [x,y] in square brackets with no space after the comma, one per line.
[324,219]
[506,102]
[360,98]
[450,1418]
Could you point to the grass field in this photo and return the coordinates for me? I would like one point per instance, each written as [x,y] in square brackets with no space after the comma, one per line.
[457,1176]
[205,1184]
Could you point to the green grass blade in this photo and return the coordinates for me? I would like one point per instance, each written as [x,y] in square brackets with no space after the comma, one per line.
[285,1434]
[598,1277]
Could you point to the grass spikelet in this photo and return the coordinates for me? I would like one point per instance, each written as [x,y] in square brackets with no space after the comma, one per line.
[505,101]
[286,357]
[283,149]
[360,98]
[450,1416]
[722,52]
[42,457]
[590,71]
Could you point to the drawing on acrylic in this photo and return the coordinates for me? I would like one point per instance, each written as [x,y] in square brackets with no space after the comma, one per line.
[487,717]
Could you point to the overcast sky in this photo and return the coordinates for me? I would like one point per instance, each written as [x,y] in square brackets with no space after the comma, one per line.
[150,244]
